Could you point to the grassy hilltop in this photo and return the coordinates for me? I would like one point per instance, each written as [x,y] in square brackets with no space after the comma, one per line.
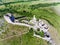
[19,9]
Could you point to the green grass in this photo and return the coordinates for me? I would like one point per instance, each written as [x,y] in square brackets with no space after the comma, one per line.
[40,33]
[25,39]
[41,13]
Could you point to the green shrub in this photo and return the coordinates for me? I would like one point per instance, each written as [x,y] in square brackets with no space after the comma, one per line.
[31,31]
[40,33]
[30,34]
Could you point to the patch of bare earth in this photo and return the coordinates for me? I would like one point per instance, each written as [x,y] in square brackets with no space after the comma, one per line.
[54,34]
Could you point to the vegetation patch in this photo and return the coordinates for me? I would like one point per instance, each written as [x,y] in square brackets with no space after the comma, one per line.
[40,33]
[25,39]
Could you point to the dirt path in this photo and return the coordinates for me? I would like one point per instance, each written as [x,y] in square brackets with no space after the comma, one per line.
[13,36]
[54,34]
[56,9]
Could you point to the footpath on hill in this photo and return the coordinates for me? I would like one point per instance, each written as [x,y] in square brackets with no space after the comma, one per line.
[54,34]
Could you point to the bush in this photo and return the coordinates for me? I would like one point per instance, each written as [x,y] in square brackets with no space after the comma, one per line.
[40,33]
[31,30]
[30,33]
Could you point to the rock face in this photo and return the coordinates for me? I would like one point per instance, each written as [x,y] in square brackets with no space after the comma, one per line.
[39,24]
